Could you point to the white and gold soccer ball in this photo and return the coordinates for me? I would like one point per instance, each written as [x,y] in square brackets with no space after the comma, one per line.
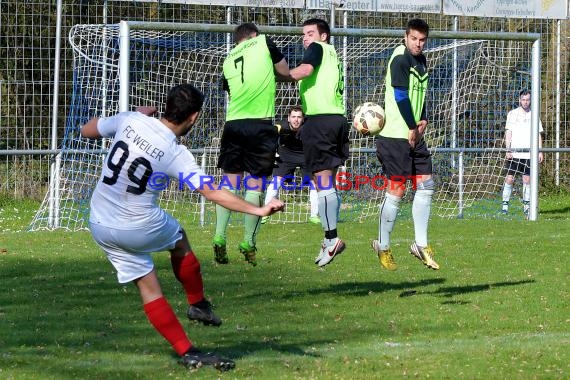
[368,118]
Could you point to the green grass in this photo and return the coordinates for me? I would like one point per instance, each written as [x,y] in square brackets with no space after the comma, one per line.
[497,309]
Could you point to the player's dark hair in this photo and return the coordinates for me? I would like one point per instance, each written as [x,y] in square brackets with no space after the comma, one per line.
[419,25]
[181,102]
[322,26]
[245,31]
[524,92]
[295,109]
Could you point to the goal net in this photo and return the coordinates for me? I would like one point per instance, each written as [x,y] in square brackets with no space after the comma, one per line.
[473,84]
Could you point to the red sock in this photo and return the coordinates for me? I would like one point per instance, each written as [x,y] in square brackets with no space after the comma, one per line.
[162,317]
[187,271]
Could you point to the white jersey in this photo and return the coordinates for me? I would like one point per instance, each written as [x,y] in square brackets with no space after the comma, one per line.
[142,147]
[518,122]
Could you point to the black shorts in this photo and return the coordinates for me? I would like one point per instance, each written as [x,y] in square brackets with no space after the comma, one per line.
[518,166]
[248,145]
[287,161]
[400,161]
[325,142]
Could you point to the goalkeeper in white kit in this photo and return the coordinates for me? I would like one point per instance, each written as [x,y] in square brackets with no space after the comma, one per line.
[517,137]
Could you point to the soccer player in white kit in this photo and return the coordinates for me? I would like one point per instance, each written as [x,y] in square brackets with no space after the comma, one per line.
[127,223]
[518,136]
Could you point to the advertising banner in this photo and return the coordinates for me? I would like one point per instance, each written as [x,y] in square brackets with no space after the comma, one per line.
[230,3]
[555,9]
[416,6]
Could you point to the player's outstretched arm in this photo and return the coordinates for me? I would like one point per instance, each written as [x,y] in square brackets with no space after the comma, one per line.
[89,129]
[147,110]
[232,202]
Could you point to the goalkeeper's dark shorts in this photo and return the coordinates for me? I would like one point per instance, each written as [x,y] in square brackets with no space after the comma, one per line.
[248,145]
[325,142]
[518,166]
[399,160]
[287,161]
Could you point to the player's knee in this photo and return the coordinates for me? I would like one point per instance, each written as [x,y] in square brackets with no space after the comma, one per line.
[324,193]
[428,184]
[392,198]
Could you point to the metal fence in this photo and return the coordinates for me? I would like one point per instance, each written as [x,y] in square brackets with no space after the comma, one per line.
[36,77]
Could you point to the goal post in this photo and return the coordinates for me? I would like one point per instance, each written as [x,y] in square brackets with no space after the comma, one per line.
[121,66]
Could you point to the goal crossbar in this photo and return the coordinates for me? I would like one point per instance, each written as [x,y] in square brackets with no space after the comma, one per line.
[353,32]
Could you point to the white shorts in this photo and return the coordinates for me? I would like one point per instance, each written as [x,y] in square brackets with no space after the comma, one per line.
[129,250]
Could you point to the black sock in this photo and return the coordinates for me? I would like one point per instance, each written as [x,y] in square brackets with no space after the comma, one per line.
[331,234]
[202,304]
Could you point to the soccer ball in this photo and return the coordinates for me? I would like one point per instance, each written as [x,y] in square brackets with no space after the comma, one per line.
[368,118]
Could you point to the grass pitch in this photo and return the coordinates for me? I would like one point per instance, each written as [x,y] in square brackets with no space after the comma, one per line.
[497,309]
